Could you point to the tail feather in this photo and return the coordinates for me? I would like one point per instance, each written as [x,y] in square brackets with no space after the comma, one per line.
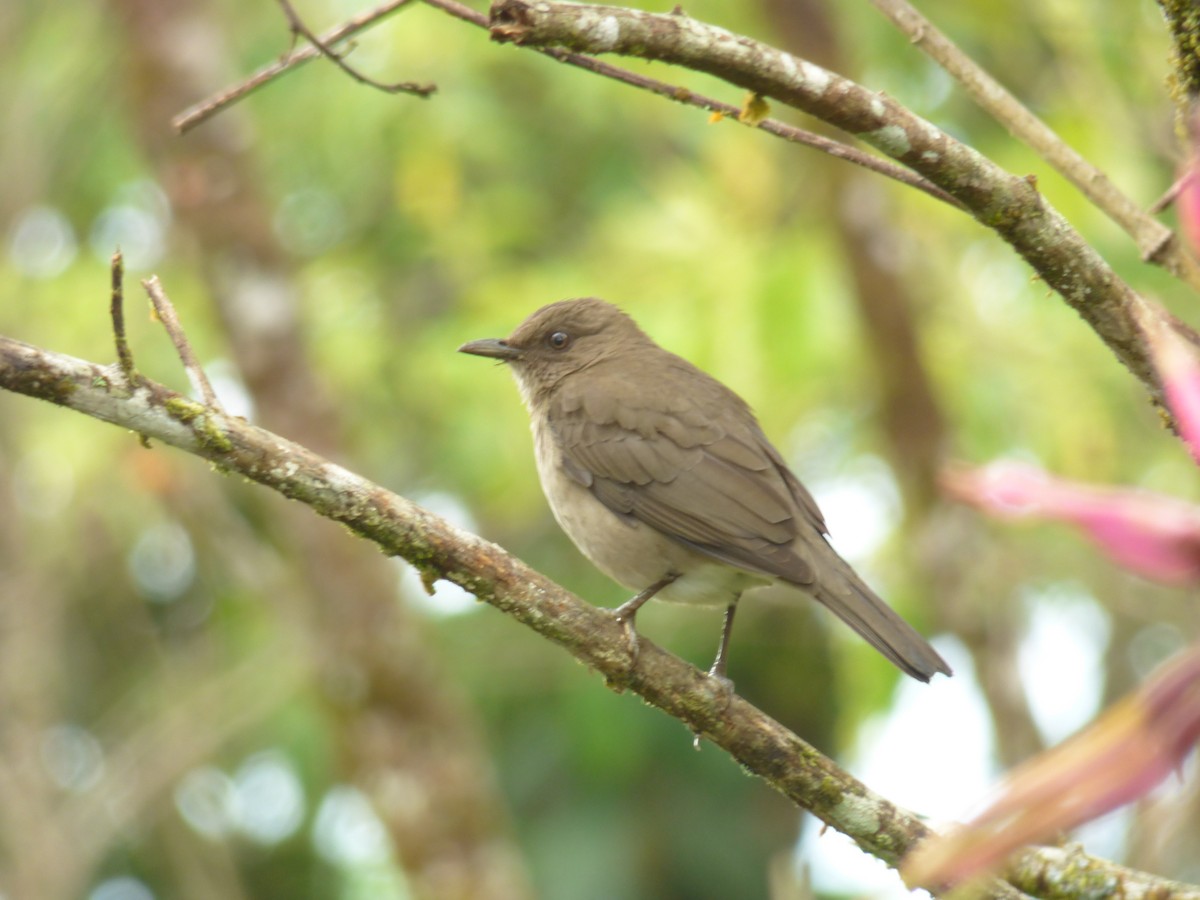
[847,595]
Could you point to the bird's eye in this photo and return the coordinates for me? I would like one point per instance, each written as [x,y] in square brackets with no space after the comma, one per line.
[559,340]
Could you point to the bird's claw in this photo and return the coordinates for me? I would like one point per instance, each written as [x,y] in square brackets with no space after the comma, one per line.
[724,685]
[723,694]
[625,620]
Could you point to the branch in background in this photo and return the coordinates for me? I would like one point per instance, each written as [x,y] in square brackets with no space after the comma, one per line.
[690,98]
[196,114]
[399,87]
[1157,243]
[1008,204]
[147,758]
[209,107]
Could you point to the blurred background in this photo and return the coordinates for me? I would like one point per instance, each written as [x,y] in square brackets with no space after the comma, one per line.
[208,692]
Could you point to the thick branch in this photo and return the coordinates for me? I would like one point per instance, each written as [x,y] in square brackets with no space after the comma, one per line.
[440,550]
[1155,240]
[1006,203]
[1064,871]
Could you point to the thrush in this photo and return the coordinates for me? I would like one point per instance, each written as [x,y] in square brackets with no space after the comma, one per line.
[662,477]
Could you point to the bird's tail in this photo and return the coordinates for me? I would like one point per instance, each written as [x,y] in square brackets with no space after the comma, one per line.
[858,606]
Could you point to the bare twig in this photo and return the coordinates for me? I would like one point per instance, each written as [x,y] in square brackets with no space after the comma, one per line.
[399,87]
[117,312]
[170,322]
[1157,243]
[460,11]
[207,108]
[129,372]
[1170,194]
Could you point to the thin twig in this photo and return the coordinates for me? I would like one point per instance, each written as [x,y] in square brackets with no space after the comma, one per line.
[1156,242]
[726,110]
[207,108]
[398,87]
[171,324]
[117,311]
[1170,194]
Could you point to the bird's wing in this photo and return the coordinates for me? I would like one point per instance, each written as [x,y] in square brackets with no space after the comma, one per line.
[700,472]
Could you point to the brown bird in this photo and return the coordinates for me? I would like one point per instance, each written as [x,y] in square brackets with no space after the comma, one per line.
[663,478]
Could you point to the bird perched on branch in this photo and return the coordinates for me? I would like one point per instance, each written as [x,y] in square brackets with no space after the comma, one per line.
[663,478]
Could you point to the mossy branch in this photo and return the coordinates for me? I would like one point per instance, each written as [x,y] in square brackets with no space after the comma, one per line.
[1183,22]
[439,550]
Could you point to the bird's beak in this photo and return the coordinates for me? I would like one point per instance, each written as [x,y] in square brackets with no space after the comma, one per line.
[496,348]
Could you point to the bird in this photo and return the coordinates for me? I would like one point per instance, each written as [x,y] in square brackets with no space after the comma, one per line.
[662,477]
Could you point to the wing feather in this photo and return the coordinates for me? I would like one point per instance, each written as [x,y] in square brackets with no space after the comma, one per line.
[711,482]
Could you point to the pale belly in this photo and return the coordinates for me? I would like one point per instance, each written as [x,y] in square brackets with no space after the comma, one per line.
[631,553]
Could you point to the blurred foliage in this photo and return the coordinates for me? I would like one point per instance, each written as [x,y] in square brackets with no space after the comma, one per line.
[408,227]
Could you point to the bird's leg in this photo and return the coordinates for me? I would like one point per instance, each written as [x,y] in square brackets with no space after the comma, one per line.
[627,611]
[717,670]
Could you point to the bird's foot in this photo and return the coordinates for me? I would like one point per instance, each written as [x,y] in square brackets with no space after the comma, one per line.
[724,686]
[717,674]
[723,694]
[625,616]
[627,611]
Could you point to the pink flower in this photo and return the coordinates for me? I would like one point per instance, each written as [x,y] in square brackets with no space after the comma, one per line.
[1154,535]
[1118,758]
[1175,360]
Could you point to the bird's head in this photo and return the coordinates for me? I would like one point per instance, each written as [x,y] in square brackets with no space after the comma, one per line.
[561,339]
